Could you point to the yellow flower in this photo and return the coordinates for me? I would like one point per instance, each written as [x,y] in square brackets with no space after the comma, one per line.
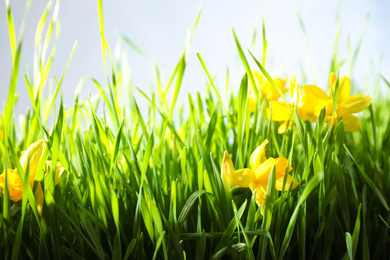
[256,177]
[315,99]
[29,160]
[14,184]
[266,90]
[281,111]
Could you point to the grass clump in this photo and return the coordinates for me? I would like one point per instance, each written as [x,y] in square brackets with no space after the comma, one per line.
[160,183]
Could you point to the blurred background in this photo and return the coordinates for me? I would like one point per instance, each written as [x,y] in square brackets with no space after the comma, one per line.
[300,34]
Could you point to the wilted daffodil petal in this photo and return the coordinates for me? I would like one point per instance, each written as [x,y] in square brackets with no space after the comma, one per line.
[256,178]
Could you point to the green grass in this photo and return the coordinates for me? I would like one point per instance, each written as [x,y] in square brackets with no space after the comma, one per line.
[147,185]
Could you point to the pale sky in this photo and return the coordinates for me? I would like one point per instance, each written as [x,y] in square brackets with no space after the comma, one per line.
[159,29]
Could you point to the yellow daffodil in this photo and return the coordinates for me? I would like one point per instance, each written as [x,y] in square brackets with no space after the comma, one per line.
[29,160]
[266,89]
[281,111]
[256,177]
[315,99]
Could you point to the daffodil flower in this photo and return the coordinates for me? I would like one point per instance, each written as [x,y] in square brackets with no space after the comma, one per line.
[281,111]
[29,160]
[267,91]
[256,177]
[315,99]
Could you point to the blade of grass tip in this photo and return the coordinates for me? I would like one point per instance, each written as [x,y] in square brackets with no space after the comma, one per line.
[269,78]
[370,183]
[356,232]
[48,37]
[37,52]
[301,24]
[246,64]
[333,66]
[385,80]
[179,79]
[265,44]
[172,78]
[59,85]
[159,85]
[314,181]
[101,26]
[11,29]
[241,117]
[132,45]
[348,241]
[212,83]
[140,119]
[11,91]
[356,52]
[186,51]
[255,33]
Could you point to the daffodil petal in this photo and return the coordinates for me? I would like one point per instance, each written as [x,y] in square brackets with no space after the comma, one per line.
[242,177]
[270,91]
[283,127]
[355,104]
[258,155]
[280,111]
[15,186]
[293,83]
[261,193]
[252,102]
[262,172]
[39,199]
[290,181]
[59,170]
[315,93]
[30,159]
[351,123]
[344,89]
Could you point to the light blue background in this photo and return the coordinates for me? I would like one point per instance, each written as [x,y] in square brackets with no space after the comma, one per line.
[159,28]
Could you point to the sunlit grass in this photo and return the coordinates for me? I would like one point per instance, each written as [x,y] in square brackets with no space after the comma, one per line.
[143,179]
